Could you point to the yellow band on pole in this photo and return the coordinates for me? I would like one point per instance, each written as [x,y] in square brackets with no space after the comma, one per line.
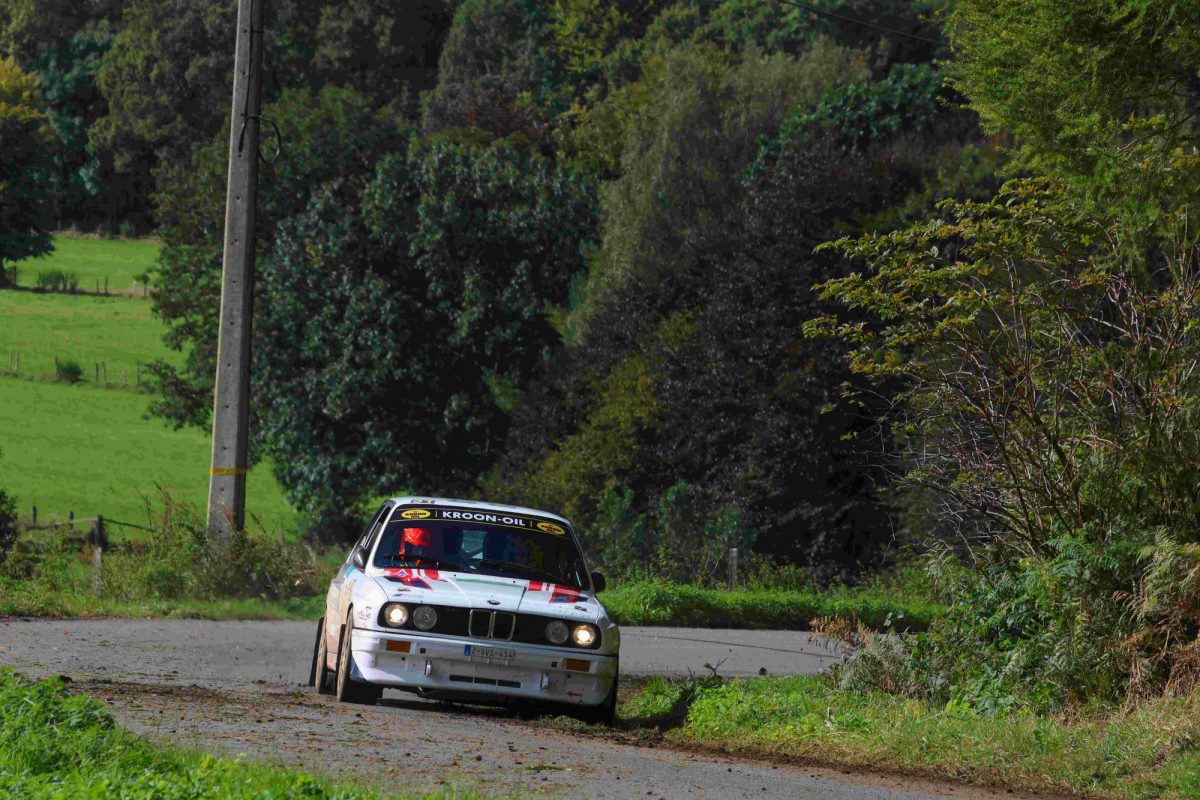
[227,471]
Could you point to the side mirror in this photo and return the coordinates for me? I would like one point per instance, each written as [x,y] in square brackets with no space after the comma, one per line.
[359,559]
[598,582]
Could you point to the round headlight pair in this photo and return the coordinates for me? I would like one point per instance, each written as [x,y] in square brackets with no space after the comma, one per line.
[396,615]
[583,635]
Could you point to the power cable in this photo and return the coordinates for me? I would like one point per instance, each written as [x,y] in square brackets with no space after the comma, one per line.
[864,23]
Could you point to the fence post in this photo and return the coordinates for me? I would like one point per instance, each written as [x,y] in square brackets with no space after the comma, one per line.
[99,535]
[733,565]
[105,368]
[97,563]
[71,518]
[97,381]
[33,515]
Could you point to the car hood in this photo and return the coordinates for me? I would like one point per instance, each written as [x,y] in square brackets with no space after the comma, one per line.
[470,590]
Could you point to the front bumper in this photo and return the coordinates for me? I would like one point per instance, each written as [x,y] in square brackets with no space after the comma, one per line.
[443,665]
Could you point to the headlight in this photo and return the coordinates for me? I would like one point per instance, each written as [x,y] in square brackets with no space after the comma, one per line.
[395,615]
[425,617]
[584,635]
[557,632]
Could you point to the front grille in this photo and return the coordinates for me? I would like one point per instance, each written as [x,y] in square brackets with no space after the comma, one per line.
[492,624]
[503,625]
[482,623]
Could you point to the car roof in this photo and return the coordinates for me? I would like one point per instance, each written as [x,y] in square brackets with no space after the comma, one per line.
[426,500]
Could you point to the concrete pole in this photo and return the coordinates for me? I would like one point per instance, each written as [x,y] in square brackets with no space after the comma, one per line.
[231,402]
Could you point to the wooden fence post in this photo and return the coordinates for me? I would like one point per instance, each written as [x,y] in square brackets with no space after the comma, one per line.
[97,381]
[71,518]
[33,515]
[733,565]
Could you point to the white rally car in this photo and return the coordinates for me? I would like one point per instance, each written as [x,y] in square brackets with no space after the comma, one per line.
[471,602]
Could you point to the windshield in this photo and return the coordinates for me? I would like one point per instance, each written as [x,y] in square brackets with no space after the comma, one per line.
[482,549]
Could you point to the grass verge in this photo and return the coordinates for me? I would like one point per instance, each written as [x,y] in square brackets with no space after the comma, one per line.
[663,603]
[1151,751]
[21,599]
[54,744]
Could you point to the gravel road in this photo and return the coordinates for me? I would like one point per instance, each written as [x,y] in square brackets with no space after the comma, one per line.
[237,687]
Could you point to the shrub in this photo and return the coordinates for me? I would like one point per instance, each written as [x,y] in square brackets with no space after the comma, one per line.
[52,280]
[68,370]
[178,561]
[8,526]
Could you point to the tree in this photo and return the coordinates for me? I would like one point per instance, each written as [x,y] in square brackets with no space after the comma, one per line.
[327,133]
[686,359]
[1089,89]
[167,76]
[396,315]
[1049,399]
[26,151]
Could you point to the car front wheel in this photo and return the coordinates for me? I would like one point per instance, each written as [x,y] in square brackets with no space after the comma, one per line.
[348,689]
[320,675]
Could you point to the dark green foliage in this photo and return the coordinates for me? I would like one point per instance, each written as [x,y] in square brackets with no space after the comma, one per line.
[68,370]
[392,315]
[25,166]
[167,75]
[717,248]
[56,280]
[327,134]
[8,525]
[497,61]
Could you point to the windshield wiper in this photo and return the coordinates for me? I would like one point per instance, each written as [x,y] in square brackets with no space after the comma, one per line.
[513,566]
[410,561]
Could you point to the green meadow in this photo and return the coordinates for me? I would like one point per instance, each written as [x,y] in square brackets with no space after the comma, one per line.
[84,448]
[93,260]
[97,451]
[115,332]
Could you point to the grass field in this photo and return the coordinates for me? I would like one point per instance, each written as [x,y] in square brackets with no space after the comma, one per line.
[117,331]
[86,449]
[93,451]
[92,260]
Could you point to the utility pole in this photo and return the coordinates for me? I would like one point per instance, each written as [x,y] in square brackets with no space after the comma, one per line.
[231,402]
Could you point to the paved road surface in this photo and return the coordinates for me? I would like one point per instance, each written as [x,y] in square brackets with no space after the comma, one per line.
[237,687]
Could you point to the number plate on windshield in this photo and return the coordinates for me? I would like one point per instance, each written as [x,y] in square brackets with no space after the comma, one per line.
[475,651]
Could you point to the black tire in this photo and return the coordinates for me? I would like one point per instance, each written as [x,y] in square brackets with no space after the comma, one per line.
[348,689]
[321,676]
[606,712]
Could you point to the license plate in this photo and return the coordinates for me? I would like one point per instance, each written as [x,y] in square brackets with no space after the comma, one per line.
[475,651]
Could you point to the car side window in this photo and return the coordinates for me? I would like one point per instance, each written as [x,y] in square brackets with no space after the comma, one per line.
[372,528]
